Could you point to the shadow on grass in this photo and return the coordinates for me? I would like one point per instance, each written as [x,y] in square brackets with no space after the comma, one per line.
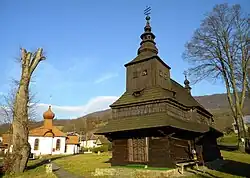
[231,167]
[200,173]
[228,147]
[109,161]
[44,161]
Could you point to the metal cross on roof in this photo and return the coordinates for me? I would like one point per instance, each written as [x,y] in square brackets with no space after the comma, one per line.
[50,98]
[185,73]
[147,11]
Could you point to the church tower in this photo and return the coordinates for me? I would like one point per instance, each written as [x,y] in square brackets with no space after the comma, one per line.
[156,111]
[147,70]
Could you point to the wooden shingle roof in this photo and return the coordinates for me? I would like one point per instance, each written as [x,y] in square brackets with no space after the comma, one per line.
[151,121]
[145,57]
[177,93]
[183,97]
[147,95]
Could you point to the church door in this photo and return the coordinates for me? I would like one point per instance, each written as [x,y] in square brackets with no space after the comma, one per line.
[138,150]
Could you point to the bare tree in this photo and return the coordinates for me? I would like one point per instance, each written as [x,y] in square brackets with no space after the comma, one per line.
[86,128]
[17,161]
[248,71]
[219,50]
[7,107]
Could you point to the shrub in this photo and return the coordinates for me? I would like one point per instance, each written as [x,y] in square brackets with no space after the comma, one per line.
[231,139]
[103,148]
[83,149]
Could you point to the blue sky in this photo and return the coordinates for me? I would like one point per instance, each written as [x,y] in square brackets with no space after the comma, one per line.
[87,44]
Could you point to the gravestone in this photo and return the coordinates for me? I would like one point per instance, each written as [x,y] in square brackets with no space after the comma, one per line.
[49,167]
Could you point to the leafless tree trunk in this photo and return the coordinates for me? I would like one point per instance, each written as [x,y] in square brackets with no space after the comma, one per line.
[7,110]
[248,73]
[21,147]
[219,49]
[86,131]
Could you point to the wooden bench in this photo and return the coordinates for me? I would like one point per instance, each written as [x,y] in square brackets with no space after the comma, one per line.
[188,163]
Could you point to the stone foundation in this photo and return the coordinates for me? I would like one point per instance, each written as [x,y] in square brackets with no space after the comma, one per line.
[135,173]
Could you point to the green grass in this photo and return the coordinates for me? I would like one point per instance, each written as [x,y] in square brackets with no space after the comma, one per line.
[85,164]
[236,165]
[230,139]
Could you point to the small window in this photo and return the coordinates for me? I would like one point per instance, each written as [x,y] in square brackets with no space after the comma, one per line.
[135,74]
[36,145]
[145,72]
[137,93]
[165,76]
[58,144]
[160,73]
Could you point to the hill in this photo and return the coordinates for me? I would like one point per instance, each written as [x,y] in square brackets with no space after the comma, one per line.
[217,104]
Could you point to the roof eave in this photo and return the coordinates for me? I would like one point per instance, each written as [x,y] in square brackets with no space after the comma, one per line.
[146,59]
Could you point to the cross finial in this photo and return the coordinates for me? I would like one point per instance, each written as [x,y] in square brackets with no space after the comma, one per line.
[147,11]
[185,74]
[50,98]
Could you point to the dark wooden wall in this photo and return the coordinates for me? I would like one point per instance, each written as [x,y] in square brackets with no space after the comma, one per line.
[140,81]
[159,152]
[210,148]
[157,75]
[181,149]
[162,152]
[165,151]
[119,152]
[162,75]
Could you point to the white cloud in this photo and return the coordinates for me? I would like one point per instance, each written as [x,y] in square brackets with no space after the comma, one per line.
[106,77]
[69,112]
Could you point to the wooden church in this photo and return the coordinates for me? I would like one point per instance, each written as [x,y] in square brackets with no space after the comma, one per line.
[156,121]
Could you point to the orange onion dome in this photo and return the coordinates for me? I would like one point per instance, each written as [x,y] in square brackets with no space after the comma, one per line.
[48,114]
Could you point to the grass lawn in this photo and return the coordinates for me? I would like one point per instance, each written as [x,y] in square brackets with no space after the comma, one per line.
[230,139]
[84,164]
[237,164]
[34,170]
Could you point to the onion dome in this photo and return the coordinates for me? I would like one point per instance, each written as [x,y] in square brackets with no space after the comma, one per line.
[186,82]
[48,114]
[148,44]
